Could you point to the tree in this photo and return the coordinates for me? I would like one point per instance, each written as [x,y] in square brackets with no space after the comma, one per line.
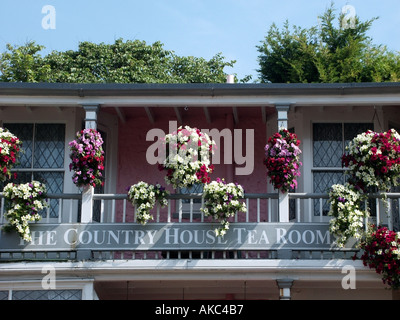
[120,62]
[326,53]
[23,64]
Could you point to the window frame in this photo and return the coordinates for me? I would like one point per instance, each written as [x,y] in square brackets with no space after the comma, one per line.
[316,169]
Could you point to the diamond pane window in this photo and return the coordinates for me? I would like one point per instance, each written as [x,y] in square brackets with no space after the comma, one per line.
[323,180]
[4,295]
[49,146]
[196,188]
[329,144]
[25,133]
[47,295]
[42,157]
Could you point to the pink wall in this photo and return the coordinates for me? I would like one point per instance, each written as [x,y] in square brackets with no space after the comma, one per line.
[133,166]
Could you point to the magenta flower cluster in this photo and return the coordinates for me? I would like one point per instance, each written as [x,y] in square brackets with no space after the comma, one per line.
[87,157]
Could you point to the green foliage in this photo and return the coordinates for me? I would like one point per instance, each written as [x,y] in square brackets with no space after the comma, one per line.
[23,64]
[121,62]
[325,53]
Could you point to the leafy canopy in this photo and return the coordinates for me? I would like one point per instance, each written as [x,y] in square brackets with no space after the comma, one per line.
[328,52]
[120,62]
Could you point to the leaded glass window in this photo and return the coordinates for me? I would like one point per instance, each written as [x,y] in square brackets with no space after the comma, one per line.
[329,143]
[42,156]
[3,294]
[47,294]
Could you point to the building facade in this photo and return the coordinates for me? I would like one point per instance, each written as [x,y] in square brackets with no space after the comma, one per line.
[88,244]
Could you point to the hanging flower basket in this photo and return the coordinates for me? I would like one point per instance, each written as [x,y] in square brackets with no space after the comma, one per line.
[221,201]
[382,253]
[373,160]
[24,202]
[282,160]
[348,218]
[144,197]
[9,149]
[188,157]
[87,157]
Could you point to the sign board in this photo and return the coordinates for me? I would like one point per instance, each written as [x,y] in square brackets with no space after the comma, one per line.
[171,236]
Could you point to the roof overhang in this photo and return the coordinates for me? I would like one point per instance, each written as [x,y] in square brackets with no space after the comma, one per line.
[201,95]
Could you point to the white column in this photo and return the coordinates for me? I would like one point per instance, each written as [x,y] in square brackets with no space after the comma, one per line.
[91,111]
[282,115]
[283,197]
[88,191]
[283,207]
[284,286]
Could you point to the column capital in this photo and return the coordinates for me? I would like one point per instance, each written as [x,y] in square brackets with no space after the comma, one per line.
[282,110]
[91,111]
[284,286]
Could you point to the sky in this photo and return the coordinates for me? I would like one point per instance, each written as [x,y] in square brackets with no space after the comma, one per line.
[200,28]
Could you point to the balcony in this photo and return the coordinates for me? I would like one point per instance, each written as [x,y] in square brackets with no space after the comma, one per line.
[98,227]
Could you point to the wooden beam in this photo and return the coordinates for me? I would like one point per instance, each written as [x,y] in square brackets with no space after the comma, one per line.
[150,114]
[207,114]
[178,114]
[120,114]
[264,114]
[235,115]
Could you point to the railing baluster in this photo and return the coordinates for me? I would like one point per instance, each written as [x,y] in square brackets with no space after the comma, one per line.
[310,209]
[2,210]
[124,211]
[202,214]
[102,211]
[134,213]
[389,214]
[60,205]
[269,209]
[70,212]
[298,209]
[48,211]
[113,211]
[320,209]
[169,211]
[248,209]
[191,211]
[180,210]
[378,219]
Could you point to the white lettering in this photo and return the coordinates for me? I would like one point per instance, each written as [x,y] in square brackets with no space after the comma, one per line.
[304,237]
[96,238]
[298,237]
[174,236]
[151,236]
[280,235]
[264,238]
[67,237]
[139,234]
[88,235]
[250,236]
[239,234]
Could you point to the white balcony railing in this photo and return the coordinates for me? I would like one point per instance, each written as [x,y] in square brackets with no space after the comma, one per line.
[113,214]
